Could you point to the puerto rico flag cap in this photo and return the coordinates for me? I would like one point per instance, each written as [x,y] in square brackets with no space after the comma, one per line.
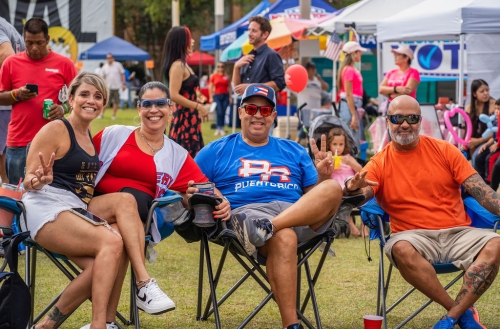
[260,90]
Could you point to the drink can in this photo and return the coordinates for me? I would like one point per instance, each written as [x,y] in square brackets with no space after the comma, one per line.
[205,188]
[47,103]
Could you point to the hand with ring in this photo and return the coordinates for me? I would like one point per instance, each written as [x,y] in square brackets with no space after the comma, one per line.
[223,210]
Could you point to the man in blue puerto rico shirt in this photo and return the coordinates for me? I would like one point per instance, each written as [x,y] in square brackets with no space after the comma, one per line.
[278,196]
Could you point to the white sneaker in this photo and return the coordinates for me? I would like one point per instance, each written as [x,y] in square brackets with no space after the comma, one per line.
[113,117]
[100,116]
[222,132]
[217,132]
[152,300]
[111,325]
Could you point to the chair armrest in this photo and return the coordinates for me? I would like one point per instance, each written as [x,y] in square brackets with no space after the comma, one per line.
[171,197]
[354,200]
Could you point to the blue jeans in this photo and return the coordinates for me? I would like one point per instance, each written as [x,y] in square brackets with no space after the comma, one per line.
[222,101]
[15,158]
[346,116]
[230,115]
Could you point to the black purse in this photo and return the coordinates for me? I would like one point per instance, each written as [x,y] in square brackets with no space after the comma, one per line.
[15,298]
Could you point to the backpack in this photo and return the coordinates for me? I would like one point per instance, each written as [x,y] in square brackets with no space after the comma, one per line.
[15,298]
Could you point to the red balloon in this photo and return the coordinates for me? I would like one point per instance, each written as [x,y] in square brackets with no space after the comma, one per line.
[296,77]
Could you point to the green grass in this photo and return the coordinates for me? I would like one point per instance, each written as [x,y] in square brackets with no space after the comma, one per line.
[346,289]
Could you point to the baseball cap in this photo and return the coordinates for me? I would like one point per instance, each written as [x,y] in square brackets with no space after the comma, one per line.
[352,46]
[405,50]
[260,90]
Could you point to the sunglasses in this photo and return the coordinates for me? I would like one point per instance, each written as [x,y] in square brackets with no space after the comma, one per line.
[251,109]
[159,103]
[398,119]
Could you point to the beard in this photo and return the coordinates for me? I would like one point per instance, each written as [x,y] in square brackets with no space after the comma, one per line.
[404,139]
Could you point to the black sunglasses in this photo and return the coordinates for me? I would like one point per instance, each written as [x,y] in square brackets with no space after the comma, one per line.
[251,109]
[398,119]
[148,103]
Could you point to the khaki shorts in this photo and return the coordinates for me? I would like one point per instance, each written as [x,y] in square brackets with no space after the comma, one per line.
[114,97]
[458,245]
[273,209]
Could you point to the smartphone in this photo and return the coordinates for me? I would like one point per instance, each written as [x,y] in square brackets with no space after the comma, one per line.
[88,216]
[32,87]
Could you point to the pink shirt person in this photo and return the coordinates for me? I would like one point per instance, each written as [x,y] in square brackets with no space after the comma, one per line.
[397,78]
[353,75]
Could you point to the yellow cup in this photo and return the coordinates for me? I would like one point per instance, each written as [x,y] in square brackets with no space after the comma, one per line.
[336,161]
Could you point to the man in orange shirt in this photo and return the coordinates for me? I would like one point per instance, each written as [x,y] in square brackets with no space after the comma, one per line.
[416,180]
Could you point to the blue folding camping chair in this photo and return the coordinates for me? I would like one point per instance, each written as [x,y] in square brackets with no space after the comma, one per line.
[374,217]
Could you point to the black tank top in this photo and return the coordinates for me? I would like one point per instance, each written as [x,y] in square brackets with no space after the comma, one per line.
[76,171]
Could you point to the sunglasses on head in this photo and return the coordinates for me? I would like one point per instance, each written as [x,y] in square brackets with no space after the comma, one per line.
[251,109]
[398,119]
[159,103]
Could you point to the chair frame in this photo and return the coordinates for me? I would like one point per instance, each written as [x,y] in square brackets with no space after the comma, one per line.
[157,203]
[383,282]
[228,240]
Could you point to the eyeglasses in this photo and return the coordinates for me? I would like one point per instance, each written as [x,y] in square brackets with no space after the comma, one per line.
[251,109]
[398,119]
[159,103]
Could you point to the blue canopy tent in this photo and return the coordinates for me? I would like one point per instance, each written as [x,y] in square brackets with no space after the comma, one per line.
[223,38]
[121,50]
[291,8]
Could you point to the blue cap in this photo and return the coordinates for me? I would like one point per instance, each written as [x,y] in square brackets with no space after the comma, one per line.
[260,90]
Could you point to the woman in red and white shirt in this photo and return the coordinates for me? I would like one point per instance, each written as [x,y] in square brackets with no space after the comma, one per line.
[220,93]
[403,80]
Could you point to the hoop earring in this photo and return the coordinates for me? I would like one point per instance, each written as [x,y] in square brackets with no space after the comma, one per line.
[137,123]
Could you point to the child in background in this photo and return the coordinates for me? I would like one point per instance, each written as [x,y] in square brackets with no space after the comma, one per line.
[338,142]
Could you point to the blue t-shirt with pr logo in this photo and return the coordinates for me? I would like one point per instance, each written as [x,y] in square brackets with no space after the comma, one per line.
[277,171]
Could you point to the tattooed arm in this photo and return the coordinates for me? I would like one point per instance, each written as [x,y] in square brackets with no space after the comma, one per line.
[483,194]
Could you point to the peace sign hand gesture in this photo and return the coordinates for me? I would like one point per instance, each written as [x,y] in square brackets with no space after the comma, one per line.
[322,158]
[44,173]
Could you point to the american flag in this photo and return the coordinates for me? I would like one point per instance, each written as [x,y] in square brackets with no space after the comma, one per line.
[334,47]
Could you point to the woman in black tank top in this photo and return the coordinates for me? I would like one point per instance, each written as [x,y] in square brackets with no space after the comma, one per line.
[62,165]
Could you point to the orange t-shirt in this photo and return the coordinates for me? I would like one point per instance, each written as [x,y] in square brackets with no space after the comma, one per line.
[420,189]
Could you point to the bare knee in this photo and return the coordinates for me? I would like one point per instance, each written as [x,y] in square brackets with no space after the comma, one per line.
[491,250]
[404,254]
[330,192]
[284,244]
[112,244]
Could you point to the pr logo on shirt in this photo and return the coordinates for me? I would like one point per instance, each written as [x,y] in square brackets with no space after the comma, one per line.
[264,169]
[163,182]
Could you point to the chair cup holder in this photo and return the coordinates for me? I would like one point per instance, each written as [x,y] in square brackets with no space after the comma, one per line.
[203,215]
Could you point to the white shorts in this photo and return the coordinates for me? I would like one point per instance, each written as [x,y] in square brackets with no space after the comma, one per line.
[45,205]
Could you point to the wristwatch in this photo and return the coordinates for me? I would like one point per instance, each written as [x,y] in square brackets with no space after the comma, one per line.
[345,185]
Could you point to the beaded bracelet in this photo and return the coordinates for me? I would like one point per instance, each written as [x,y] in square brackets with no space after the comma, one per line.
[14,96]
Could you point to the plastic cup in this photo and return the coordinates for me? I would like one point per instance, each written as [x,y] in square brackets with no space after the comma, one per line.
[11,191]
[336,161]
[373,321]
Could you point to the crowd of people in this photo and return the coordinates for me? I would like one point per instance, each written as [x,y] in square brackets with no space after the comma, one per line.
[274,194]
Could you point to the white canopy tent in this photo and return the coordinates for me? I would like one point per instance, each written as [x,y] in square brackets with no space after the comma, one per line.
[451,20]
[365,14]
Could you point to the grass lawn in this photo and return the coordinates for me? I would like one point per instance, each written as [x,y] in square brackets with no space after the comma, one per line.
[346,289]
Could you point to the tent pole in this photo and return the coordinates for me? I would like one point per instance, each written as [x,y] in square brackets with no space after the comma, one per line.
[461,72]
[379,67]
[334,81]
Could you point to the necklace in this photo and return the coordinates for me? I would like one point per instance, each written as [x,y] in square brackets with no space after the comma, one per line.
[153,149]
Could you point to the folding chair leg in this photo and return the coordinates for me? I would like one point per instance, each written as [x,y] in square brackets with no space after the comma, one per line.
[382,288]
[208,310]
[30,267]
[204,240]
[200,280]
[314,302]
[134,311]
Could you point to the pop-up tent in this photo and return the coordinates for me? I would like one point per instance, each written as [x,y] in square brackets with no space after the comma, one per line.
[474,22]
[121,50]
[223,38]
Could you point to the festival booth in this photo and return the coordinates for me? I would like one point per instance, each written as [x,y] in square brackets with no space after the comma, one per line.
[224,37]
[471,22]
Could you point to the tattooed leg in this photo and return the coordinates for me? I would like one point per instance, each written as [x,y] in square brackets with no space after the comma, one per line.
[56,316]
[477,278]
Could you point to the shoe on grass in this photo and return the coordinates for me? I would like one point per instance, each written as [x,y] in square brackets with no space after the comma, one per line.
[109,325]
[152,300]
[445,323]
[470,320]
